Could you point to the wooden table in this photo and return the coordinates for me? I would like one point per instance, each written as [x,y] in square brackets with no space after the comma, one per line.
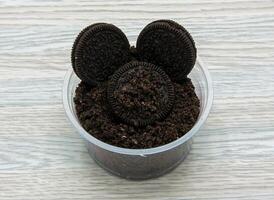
[42,157]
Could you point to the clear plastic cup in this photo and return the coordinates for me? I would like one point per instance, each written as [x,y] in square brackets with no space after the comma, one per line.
[142,163]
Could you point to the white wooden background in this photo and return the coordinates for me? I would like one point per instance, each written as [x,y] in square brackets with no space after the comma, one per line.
[41,156]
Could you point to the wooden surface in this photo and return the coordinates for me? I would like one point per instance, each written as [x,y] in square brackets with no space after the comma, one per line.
[42,157]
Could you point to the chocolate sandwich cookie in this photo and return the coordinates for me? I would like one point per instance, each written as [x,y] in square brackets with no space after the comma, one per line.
[169,45]
[77,40]
[180,28]
[140,93]
[98,51]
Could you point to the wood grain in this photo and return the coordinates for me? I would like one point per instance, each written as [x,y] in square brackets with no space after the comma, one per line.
[41,156]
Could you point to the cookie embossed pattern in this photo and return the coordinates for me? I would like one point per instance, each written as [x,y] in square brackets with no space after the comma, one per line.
[138,120]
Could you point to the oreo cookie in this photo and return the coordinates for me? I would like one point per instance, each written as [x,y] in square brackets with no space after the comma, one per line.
[180,28]
[98,51]
[77,40]
[168,44]
[140,93]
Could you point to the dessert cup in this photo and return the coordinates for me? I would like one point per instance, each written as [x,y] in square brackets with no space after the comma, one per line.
[142,163]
